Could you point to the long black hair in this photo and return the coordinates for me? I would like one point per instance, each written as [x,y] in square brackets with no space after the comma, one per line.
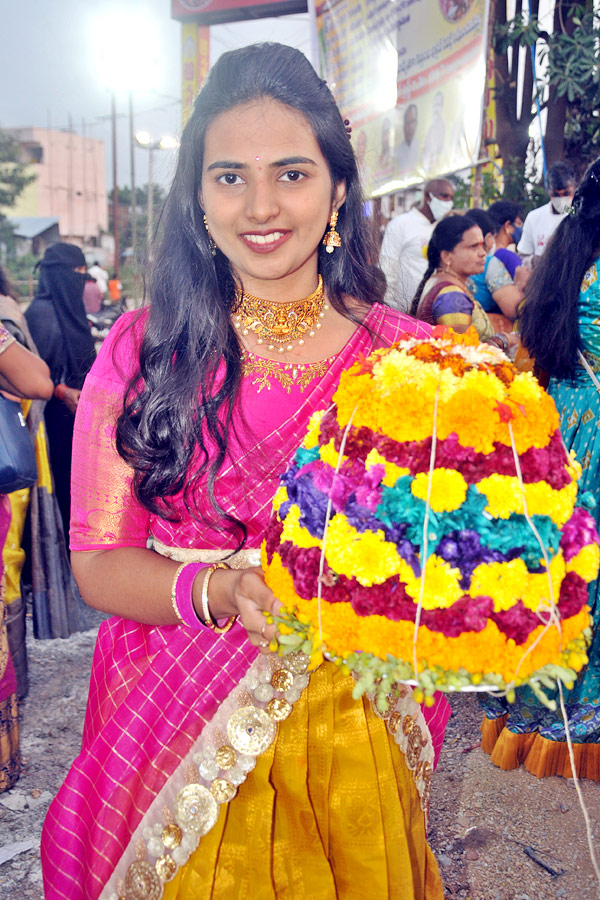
[6,289]
[446,235]
[178,406]
[549,322]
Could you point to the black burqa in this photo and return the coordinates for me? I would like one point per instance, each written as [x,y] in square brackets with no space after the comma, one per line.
[59,327]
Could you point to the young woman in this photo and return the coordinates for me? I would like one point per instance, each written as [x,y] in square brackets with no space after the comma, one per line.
[58,324]
[560,329]
[185,423]
[456,251]
[498,288]
[22,374]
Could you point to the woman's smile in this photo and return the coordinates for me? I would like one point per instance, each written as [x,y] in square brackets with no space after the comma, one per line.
[265,242]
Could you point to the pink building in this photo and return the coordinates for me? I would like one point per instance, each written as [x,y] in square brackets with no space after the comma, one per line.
[70,183]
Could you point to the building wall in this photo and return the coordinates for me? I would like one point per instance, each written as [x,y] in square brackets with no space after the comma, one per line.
[70,182]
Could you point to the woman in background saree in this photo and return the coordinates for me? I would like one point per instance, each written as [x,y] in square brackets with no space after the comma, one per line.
[240,775]
[35,544]
[560,329]
[60,329]
[22,374]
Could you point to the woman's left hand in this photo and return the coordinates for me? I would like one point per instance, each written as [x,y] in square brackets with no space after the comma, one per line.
[243,592]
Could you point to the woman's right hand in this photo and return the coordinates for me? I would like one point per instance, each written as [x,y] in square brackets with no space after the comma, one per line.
[241,592]
[69,396]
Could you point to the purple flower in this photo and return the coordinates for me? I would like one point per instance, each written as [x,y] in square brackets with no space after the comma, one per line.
[463,550]
[577,532]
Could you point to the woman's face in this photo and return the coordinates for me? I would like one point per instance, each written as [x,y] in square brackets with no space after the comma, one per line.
[468,257]
[266,193]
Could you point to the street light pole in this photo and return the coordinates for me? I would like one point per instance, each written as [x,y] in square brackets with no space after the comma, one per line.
[143,139]
[133,207]
[115,188]
[150,202]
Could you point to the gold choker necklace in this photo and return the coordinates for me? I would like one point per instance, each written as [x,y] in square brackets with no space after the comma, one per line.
[280,323]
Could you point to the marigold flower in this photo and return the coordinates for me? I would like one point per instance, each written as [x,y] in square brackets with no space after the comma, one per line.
[448,489]
[330,455]
[294,532]
[441,587]
[504,582]
[586,562]
[366,556]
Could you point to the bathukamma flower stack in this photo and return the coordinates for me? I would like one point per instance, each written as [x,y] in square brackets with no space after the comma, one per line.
[427,530]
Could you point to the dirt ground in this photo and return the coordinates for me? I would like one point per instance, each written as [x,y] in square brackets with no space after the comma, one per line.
[496,835]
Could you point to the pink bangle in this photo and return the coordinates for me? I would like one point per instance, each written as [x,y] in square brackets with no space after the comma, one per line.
[181,594]
[182,597]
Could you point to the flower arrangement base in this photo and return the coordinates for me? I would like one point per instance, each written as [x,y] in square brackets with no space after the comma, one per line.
[427,530]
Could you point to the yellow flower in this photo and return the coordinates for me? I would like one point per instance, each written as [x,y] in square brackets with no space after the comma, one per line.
[294,532]
[485,384]
[281,495]
[505,496]
[448,489]
[586,562]
[441,588]
[537,591]
[330,455]
[503,493]
[396,369]
[504,582]
[354,396]
[314,425]
[392,471]
[366,556]
[472,417]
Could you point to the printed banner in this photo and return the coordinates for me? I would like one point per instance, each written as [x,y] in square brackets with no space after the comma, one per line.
[411,77]
[211,12]
[189,64]
[195,57]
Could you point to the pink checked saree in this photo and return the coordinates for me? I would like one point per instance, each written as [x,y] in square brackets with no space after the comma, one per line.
[160,695]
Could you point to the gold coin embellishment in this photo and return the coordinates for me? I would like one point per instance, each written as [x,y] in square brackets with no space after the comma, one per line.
[279,709]
[407,724]
[165,867]
[142,882]
[225,757]
[394,722]
[222,790]
[282,680]
[250,730]
[171,836]
[196,809]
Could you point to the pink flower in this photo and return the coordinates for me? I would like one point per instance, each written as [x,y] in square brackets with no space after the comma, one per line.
[579,531]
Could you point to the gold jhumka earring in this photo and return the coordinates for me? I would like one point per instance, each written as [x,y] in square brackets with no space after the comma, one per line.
[211,243]
[332,238]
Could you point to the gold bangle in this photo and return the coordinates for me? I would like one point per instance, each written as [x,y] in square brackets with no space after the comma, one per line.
[206,614]
[174,594]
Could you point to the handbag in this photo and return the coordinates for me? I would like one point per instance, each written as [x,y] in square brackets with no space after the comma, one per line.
[18,468]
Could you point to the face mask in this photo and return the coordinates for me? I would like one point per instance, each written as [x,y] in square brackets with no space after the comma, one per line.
[561,204]
[439,208]
[517,233]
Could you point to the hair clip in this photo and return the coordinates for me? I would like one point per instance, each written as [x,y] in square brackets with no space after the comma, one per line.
[348,128]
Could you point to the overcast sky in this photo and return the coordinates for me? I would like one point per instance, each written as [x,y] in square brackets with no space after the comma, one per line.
[52,72]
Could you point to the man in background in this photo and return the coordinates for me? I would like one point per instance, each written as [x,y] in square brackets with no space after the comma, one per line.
[541,223]
[402,258]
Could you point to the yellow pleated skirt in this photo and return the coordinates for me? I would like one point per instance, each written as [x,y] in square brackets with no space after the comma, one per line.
[330,812]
